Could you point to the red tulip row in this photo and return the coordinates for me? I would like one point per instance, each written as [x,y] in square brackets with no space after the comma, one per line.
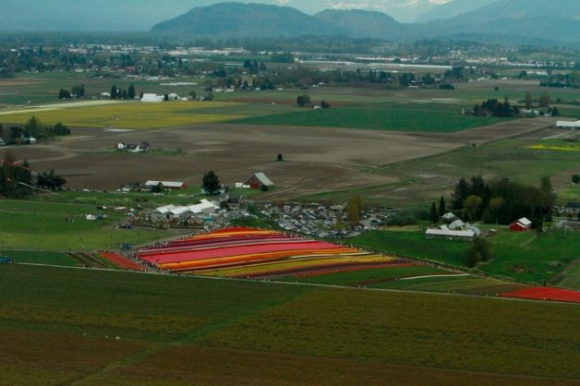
[545,293]
[121,261]
[237,247]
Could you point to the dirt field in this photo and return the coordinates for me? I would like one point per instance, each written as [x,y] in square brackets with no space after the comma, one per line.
[315,159]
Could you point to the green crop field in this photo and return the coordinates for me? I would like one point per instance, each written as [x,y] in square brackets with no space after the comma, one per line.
[46,226]
[365,276]
[526,257]
[537,258]
[376,119]
[68,326]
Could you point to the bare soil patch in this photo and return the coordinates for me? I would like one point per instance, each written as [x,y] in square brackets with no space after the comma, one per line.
[315,159]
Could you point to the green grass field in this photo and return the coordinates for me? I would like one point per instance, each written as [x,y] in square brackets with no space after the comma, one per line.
[409,120]
[94,327]
[41,226]
[362,277]
[526,257]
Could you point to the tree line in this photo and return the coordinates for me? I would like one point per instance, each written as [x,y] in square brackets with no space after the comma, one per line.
[17,180]
[33,128]
[503,201]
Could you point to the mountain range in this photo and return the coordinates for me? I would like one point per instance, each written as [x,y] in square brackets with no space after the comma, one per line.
[504,20]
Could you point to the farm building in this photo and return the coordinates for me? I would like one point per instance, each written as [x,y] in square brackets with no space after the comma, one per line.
[258,180]
[204,207]
[444,233]
[457,225]
[172,185]
[152,98]
[568,124]
[521,225]
[449,217]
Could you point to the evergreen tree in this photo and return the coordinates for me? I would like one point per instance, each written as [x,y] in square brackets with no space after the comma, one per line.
[131,92]
[442,206]
[210,183]
[434,215]
[461,192]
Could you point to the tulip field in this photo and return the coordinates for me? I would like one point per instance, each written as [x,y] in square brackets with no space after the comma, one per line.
[546,294]
[254,253]
[240,252]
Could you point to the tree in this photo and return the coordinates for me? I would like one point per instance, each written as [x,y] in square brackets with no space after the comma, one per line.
[159,188]
[131,92]
[528,102]
[434,215]
[544,100]
[64,94]
[324,105]
[480,250]
[192,95]
[471,206]
[548,196]
[576,178]
[303,100]
[210,183]
[114,92]
[280,157]
[442,206]
[60,129]
[50,181]
[78,91]
[15,178]
[460,194]
[34,128]
[353,209]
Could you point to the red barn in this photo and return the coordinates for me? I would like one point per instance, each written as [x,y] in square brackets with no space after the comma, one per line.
[258,180]
[521,225]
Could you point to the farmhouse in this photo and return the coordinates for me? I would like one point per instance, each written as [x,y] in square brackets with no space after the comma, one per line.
[258,181]
[132,147]
[172,185]
[568,124]
[521,225]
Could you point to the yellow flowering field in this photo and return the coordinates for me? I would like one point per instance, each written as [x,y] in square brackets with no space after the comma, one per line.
[127,115]
[556,146]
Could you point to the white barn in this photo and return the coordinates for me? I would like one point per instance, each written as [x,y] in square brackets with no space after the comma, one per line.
[152,98]
[448,234]
[568,124]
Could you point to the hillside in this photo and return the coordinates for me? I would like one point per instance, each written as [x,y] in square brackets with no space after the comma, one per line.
[452,9]
[500,20]
[357,23]
[247,20]
[559,22]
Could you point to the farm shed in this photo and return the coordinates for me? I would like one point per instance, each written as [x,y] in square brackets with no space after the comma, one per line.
[258,180]
[445,233]
[520,225]
[152,98]
[173,185]
[568,124]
